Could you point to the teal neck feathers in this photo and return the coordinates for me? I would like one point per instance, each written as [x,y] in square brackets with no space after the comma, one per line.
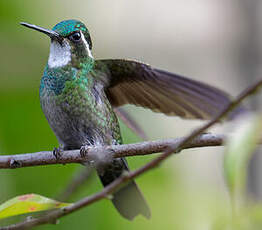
[54,79]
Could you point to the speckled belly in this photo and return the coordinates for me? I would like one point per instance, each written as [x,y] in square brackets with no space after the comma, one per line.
[74,127]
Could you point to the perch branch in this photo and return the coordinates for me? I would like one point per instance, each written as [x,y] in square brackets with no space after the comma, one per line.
[127,150]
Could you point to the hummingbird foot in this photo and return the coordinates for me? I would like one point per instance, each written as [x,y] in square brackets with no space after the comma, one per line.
[57,152]
[84,150]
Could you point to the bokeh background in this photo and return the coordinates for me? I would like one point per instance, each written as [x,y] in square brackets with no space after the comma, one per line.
[215,41]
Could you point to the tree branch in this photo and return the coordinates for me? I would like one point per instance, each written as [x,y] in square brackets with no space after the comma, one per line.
[54,215]
[73,156]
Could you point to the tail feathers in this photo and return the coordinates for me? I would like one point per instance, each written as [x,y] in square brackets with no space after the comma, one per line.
[128,200]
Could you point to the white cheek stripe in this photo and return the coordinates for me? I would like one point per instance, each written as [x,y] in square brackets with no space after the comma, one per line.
[86,45]
[60,55]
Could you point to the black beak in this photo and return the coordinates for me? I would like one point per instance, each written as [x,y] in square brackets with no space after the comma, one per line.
[52,34]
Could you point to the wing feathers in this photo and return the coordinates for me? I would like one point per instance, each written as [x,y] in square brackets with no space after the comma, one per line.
[136,83]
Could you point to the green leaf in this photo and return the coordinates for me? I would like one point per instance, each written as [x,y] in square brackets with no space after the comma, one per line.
[28,203]
[239,149]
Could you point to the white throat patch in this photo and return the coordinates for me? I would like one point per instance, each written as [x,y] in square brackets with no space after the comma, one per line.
[60,55]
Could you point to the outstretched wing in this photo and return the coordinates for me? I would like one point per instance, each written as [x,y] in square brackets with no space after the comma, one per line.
[132,82]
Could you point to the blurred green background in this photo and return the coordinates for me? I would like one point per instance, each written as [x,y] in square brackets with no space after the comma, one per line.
[207,40]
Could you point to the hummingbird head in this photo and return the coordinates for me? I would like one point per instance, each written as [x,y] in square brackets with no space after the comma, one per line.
[70,43]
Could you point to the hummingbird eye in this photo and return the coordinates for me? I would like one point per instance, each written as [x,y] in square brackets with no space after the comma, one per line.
[75,37]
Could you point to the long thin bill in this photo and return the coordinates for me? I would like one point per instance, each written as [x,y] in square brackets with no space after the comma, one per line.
[50,33]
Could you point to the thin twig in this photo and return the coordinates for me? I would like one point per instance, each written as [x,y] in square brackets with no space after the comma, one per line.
[52,216]
[130,123]
[78,180]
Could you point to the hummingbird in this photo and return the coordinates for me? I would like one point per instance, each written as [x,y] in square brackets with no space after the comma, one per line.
[78,94]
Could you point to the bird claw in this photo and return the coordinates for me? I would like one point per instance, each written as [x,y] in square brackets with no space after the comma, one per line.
[84,150]
[57,152]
